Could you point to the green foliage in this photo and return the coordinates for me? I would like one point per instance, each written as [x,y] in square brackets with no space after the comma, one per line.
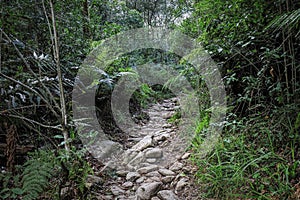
[175,119]
[44,173]
[256,49]
[77,168]
[110,17]
[34,179]
[255,43]
[297,123]
[143,95]
[202,124]
[7,191]
[225,25]
[36,176]
[248,162]
[236,168]
[200,131]
[286,21]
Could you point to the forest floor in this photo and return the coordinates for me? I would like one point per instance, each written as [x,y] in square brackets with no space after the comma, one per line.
[155,167]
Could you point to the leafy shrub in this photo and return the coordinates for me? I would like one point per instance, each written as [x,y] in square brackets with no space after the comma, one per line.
[46,173]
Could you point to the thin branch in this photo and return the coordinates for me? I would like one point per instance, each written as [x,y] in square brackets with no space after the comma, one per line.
[43,135]
[1,51]
[31,71]
[32,90]
[1,37]
[48,23]
[250,62]
[22,107]
[33,121]
[64,118]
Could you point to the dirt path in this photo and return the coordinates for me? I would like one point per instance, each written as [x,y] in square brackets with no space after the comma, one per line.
[156,167]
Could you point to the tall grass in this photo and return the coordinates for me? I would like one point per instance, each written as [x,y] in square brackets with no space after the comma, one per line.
[249,162]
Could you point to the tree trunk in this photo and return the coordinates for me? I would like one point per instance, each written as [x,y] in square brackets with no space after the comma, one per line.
[86,19]
[64,118]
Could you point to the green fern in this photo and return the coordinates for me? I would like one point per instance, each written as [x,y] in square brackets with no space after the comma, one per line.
[32,182]
[35,177]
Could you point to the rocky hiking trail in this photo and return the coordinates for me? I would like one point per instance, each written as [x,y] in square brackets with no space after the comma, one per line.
[154,168]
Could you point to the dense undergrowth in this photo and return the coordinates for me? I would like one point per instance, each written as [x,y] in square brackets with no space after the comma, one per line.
[257,156]
[250,161]
[254,43]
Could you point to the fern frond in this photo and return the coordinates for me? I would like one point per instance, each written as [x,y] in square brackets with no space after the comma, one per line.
[35,178]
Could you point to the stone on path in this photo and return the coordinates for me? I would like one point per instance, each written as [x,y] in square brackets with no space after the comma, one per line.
[153,178]
[140,180]
[185,156]
[181,184]
[107,197]
[167,179]
[154,167]
[105,148]
[167,195]
[167,115]
[127,184]
[132,176]
[154,153]
[139,158]
[122,172]
[146,191]
[166,172]
[167,126]
[176,166]
[161,137]
[151,160]
[145,170]
[153,174]
[143,144]
[115,190]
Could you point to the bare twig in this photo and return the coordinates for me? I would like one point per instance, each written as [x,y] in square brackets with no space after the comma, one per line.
[64,118]
[0,51]
[32,90]
[1,36]
[33,121]
[48,23]
[41,134]
[31,71]
[22,107]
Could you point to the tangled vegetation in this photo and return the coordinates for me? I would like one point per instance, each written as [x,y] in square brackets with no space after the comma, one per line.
[255,44]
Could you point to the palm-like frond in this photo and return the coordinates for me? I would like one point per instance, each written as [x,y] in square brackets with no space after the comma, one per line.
[286,21]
